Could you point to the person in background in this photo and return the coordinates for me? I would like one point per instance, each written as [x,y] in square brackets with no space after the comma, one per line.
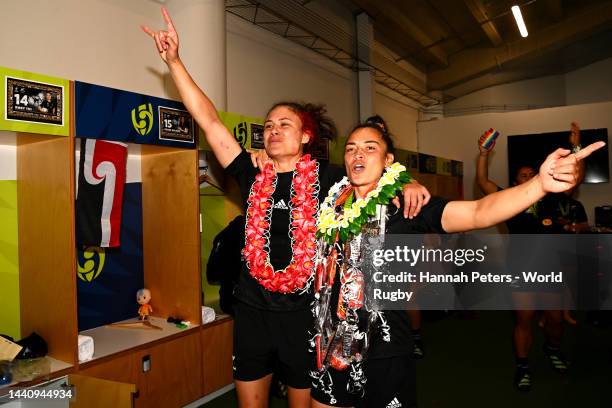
[533,220]
[564,214]
[224,262]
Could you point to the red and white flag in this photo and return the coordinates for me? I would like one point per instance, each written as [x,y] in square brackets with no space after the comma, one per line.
[99,200]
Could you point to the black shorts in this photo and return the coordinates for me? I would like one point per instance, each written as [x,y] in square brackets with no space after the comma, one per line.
[267,342]
[390,383]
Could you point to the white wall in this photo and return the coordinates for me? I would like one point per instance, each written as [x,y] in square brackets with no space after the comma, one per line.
[592,83]
[263,68]
[8,156]
[99,41]
[540,92]
[401,120]
[96,41]
[456,138]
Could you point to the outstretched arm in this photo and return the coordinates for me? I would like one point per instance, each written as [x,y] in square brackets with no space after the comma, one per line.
[223,145]
[558,173]
[482,169]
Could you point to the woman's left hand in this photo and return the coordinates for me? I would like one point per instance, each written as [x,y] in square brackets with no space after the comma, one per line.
[415,197]
[259,158]
[561,171]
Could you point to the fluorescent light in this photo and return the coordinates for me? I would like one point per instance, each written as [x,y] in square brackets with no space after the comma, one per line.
[516,11]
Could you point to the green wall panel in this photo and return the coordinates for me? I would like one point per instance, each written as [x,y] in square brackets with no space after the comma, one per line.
[9,260]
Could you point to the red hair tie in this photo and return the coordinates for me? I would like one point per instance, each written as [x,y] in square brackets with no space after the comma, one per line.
[309,125]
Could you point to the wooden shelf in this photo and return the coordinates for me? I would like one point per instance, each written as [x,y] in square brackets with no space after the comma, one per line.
[56,368]
[219,319]
[113,340]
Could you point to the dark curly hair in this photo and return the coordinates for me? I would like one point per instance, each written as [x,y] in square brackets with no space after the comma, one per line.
[315,121]
[377,123]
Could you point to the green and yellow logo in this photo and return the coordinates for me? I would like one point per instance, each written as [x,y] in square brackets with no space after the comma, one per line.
[93,263]
[144,122]
[241,133]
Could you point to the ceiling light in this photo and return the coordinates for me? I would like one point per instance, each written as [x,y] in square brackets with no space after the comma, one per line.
[516,11]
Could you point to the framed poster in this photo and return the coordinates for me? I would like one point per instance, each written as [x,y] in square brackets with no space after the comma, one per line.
[456,168]
[34,103]
[257,140]
[428,164]
[444,167]
[175,124]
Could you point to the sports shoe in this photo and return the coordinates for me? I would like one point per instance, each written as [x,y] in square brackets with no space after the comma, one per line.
[522,379]
[556,358]
[418,351]
[279,389]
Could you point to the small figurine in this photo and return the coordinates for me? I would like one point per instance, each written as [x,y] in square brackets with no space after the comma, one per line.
[143,297]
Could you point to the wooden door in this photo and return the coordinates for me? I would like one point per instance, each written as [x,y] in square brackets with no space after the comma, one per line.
[91,392]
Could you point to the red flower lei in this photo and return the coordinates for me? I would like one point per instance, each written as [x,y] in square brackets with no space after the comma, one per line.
[304,205]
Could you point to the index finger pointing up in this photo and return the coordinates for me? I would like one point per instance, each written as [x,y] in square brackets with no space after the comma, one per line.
[589,149]
[167,19]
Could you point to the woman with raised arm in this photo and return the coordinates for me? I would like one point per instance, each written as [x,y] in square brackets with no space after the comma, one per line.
[272,317]
[364,354]
[536,219]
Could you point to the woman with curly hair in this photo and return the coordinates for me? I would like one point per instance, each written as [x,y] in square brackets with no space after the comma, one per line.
[272,317]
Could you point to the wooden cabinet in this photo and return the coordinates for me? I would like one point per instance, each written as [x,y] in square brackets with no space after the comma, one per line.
[93,392]
[174,376]
[184,365]
[124,368]
[217,354]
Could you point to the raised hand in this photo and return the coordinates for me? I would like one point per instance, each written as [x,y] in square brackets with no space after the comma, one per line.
[259,158]
[167,41]
[561,170]
[484,150]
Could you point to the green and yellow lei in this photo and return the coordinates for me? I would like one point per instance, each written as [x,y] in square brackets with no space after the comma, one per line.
[348,222]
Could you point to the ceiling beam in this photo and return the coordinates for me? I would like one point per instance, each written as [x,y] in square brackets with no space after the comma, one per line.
[394,70]
[555,9]
[473,62]
[480,14]
[390,18]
